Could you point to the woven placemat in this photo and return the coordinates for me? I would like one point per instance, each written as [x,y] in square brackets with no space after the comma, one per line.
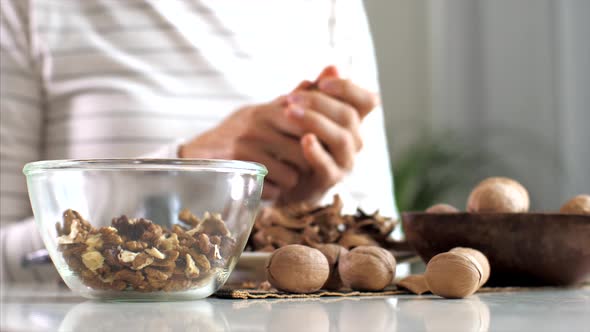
[230,292]
[241,293]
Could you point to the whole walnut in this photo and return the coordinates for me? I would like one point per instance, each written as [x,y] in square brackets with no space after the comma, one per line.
[577,205]
[367,268]
[298,269]
[480,258]
[498,194]
[453,275]
[333,252]
[442,208]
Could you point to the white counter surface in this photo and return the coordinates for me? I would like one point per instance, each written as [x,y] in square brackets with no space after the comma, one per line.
[26,308]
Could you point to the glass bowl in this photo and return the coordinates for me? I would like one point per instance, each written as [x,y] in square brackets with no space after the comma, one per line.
[144,229]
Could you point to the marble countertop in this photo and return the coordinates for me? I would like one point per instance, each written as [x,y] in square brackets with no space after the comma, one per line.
[42,308]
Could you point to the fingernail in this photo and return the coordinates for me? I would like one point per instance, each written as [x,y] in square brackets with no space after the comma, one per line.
[296,111]
[328,85]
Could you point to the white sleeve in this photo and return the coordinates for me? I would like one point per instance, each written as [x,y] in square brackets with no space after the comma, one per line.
[21,108]
[370,184]
[21,133]
[168,151]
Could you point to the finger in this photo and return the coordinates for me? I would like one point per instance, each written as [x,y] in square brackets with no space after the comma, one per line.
[263,132]
[324,167]
[285,148]
[339,140]
[272,115]
[363,100]
[304,85]
[341,113]
[329,71]
[270,190]
[280,173]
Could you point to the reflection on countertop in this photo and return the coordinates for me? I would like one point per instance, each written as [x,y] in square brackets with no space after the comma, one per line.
[163,316]
[27,308]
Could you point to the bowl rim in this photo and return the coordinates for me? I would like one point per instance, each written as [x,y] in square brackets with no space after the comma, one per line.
[491,214]
[145,164]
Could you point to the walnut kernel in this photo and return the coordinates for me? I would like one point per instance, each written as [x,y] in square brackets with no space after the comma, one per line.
[154,252]
[93,260]
[138,255]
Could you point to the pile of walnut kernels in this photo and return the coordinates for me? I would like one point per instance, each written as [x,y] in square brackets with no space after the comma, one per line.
[139,255]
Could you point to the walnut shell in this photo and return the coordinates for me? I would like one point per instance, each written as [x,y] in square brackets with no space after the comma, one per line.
[442,208]
[415,283]
[333,252]
[298,269]
[367,268]
[453,275]
[352,238]
[577,205]
[480,258]
[498,194]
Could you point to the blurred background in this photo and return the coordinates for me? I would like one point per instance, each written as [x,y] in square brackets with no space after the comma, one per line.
[476,88]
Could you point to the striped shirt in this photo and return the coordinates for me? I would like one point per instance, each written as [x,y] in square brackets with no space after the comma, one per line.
[112,78]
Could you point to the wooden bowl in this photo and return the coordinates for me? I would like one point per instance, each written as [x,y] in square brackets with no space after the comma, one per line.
[524,249]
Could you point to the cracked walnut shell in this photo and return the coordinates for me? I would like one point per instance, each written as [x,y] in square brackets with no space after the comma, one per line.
[415,283]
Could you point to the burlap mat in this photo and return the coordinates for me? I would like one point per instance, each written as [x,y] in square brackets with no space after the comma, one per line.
[230,292]
[242,293]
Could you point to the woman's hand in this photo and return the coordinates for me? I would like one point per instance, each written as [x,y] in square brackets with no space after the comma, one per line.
[260,133]
[307,140]
[330,117]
